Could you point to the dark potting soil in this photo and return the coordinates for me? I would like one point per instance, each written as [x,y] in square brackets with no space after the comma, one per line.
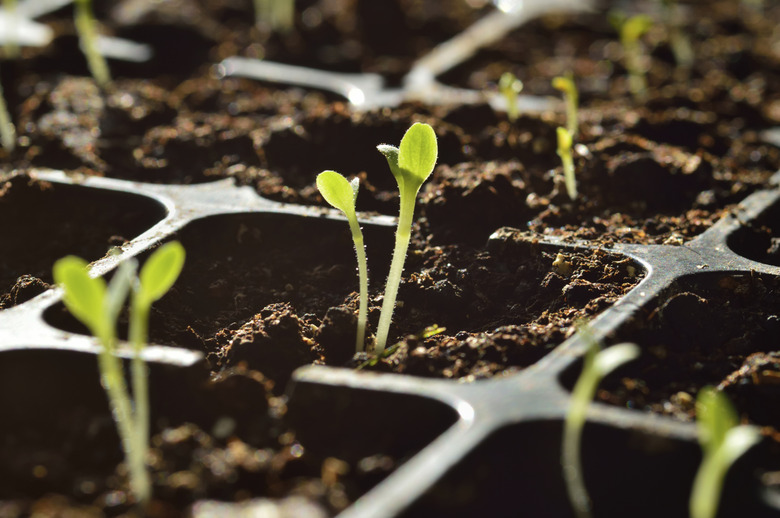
[262,296]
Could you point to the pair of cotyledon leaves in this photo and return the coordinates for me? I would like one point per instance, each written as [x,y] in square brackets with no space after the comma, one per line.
[97,303]
[411,163]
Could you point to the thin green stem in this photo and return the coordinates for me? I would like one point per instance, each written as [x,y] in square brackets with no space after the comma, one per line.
[360,251]
[568,175]
[571,457]
[403,235]
[139,475]
[85,25]
[7,130]
[11,45]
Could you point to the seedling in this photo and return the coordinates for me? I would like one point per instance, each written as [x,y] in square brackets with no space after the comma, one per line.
[723,440]
[279,15]
[678,41]
[566,85]
[564,151]
[411,164]
[342,194]
[97,305]
[85,25]
[631,29]
[510,87]
[596,365]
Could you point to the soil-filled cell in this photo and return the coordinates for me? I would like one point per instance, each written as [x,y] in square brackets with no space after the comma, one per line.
[517,471]
[45,221]
[759,239]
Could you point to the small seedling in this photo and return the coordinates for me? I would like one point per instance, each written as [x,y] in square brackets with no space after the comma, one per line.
[564,151]
[596,365]
[411,164]
[510,87]
[566,85]
[678,41]
[342,194]
[97,305]
[723,440]
[85,25]
[631,29]
[279,15]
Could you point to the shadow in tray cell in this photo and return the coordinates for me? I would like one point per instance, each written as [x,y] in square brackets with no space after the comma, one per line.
[759,240]
[47,221]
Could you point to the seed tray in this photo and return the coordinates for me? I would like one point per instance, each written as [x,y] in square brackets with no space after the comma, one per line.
[481,444]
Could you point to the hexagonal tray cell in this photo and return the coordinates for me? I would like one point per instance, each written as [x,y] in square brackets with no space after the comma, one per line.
[212,438]
[759,239]
[77,220]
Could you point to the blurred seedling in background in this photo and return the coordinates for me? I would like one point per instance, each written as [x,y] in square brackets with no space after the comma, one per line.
[510,87]
[7,129]
[86,27]
[411,164]
[11,46]
[278,15]
[564,151]
[723,440]
[97,305]
[596,364]
[566,85]
[631,29]
[678,41]
[342,194]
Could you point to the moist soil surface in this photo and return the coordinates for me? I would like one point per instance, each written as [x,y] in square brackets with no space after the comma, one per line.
[481,295]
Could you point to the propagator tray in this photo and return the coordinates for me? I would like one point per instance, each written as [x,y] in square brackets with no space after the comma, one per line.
[489,447]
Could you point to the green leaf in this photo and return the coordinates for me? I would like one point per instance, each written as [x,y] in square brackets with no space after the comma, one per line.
[118,288]
[83,295]
[715,416]
[338,191]
[635,27]
[161,270]
[564,84]
[508,84]
[418,152]
[613,357]
[391,155]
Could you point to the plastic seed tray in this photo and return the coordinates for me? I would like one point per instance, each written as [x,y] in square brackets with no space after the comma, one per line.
[482,443]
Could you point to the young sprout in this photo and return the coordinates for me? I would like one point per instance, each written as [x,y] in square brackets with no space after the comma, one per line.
[342,194]
[631,30]
[510,86]
[411,164]
[85,25]
[564,151]
[7,130]
[678,41]
[278,14]
[723,440]
[596,365]
[566,85]
[97,305]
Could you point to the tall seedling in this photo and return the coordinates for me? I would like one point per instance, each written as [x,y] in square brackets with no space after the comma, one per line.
[85,25]
[411,164]
[97,305]
[342,195]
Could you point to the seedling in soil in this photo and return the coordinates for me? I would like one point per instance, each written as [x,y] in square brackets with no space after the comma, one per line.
[85,25]
[631,31]
[97,305]
[596,365]
[678,41]
[279,15]
[723,440]
[342,194]
[564,151]
[510,87]
[411,164]
[566,85]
